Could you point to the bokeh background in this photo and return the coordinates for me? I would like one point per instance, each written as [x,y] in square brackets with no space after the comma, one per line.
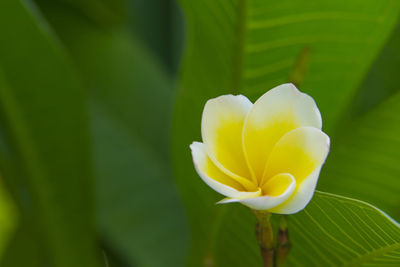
[100,99]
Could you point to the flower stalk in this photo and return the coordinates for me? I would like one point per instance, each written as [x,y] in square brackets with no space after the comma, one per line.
[265,237]
[272,255]
[283,243]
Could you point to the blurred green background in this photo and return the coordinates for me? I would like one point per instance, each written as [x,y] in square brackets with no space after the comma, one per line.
[100,99]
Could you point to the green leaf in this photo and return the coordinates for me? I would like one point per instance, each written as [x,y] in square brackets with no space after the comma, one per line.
[248,47]
[24,241]
[381,81]
[106,13]
[251,46]
[45,154]
[162,31]
[8,217]
[331,231]
[364,161]
[139,212]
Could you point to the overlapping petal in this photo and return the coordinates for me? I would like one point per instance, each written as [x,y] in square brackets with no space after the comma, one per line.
[275,192]
[301,152]
[241,197]
[213,176]
[277,112]
[222,128]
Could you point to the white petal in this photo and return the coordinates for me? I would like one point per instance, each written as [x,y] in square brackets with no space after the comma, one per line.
[277,112]
[301,197]
[221,129]
[242,195]
[301,153]
[269,202]
[212,175]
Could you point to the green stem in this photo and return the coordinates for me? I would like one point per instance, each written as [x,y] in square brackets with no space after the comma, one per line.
[265,237]
[283,243]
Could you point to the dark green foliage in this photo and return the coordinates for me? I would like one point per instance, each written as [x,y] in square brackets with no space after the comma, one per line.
[96,118]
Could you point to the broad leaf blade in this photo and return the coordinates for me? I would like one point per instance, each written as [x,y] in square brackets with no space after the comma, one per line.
[24,241]
[162,32]
[363,162]
[8,217]
[46,156]
[139,212]
[381,82]
[365,156]
[106,13]
[331,231]
[343,231]
[250,46]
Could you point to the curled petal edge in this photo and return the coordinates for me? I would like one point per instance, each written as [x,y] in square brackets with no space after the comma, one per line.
[264,202]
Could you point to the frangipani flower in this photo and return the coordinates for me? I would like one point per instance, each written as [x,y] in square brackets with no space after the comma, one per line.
[266,155]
